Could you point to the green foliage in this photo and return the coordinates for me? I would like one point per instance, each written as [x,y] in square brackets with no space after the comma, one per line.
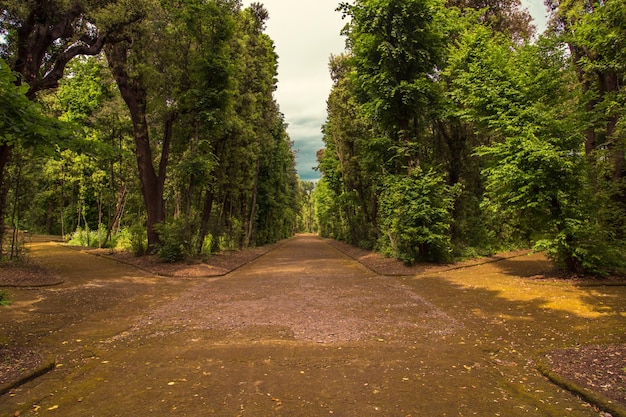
[534,170]
[326,210]
[306,215]
[138,240]
[90,238]
[226,172]
[396,45]
[396,48]
[22,121]
[4,298]
[351,161]
[175,241]
[415,217]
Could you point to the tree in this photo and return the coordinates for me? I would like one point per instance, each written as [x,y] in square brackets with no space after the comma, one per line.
[351,163]
[152,68]
[596,37]
[307,209]
[255,185]
[502,16]
[395,48]
[535,166]
[22,124]
[40,38]
[415,217]
[90,101]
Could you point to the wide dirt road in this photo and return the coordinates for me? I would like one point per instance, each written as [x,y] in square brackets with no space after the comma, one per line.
[302,331]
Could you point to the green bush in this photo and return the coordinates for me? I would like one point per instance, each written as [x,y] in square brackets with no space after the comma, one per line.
[90,238]
[415,217]
[176,241]
[4,298]
[123,240]
[585,245]
[138,240]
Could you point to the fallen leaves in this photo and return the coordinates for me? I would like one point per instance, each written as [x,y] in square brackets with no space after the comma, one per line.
[276,400]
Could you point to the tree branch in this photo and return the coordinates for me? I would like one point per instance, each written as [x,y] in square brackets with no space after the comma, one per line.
[51,79]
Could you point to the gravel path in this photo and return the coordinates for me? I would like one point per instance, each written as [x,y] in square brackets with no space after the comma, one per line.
[303,330]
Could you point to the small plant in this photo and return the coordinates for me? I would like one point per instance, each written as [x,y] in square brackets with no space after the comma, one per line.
[138,240]
[89,238]
[175,239]
[4,299]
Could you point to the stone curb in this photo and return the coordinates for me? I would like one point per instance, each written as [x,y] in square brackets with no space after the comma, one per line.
[595,398]
[270,248]
[48,365]
[435,268]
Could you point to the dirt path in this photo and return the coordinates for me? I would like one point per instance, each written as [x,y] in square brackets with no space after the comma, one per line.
[302,331]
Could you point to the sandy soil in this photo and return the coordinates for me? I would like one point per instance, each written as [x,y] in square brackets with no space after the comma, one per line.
[305,330]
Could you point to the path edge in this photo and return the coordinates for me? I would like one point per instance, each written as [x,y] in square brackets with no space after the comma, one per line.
[595,398]
[47,366]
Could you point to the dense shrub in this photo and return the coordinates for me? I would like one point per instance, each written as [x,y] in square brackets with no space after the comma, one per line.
[415,217]
[90,238]
[175,241]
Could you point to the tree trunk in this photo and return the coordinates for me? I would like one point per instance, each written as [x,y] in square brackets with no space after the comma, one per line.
[206,217]
[5,156]
[119,211]
[152,185]
[250,233]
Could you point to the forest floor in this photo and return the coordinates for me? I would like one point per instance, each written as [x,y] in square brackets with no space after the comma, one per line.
[305,330]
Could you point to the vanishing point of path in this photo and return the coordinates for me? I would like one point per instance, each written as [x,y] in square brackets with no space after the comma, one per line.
[302,331]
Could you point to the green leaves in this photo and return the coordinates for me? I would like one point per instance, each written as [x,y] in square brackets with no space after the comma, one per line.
[21,120]
[396,47]
[415,216]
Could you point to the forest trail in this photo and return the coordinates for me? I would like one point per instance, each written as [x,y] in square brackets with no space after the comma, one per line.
[302,331]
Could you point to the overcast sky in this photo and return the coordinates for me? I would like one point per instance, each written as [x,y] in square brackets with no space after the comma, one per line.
[306,33]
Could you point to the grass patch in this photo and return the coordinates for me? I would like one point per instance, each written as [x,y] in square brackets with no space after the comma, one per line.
[4,298]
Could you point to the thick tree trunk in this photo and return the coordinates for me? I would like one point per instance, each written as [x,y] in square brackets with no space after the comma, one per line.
[152,193]
[152,185]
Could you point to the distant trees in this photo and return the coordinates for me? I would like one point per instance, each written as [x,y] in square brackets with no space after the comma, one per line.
[39,39]
[460,137]
[186,92]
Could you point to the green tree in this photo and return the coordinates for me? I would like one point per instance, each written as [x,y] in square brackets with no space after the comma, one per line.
[395,48]
[536,169]
[153,66]
[504,16]
[40,38]
[255,184]
[23,126]
[595,34]
[307,219]
[415,216]
[353,162]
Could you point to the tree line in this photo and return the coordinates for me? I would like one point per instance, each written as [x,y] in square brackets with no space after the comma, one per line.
[150,123]
[453,130]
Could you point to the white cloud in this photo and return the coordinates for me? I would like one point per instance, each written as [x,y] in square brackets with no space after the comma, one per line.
[305,34]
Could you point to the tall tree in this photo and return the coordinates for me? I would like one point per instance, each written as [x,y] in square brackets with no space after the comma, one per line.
[595,34]
[396,46]
[153,67]
[254,151]
[352,160]
[503,16]
[39,39]
[22,124]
